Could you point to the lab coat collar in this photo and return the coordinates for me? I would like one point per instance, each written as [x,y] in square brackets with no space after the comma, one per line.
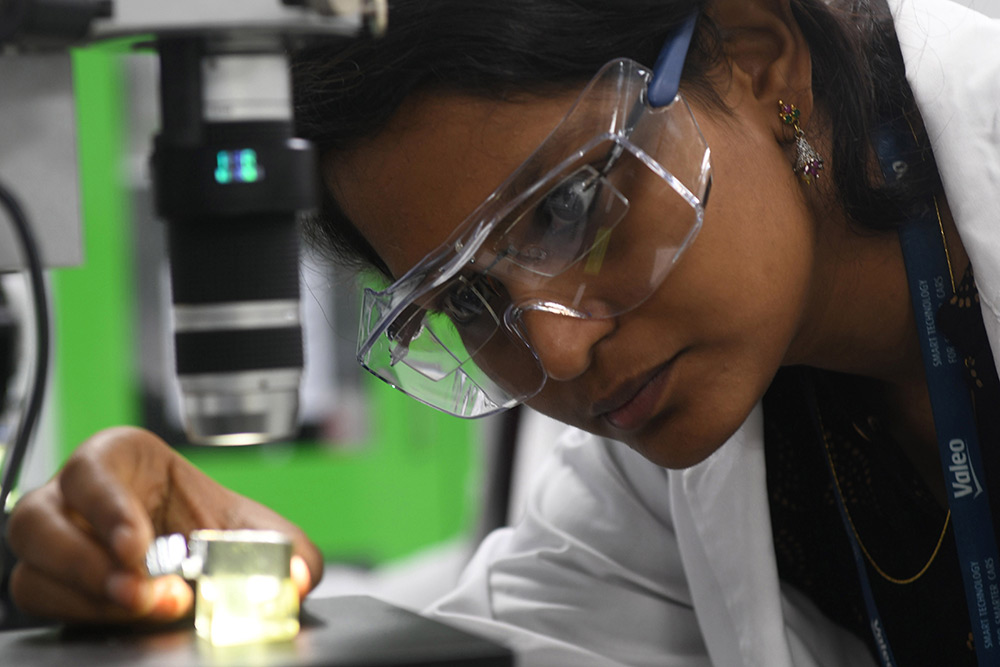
[730,563]
[723,524]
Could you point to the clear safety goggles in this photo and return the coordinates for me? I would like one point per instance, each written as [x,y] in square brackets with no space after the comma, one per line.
[587,227]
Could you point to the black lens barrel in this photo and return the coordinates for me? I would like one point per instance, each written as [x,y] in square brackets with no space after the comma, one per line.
[235,241]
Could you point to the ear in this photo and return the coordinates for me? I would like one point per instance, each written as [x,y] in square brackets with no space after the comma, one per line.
[768,55]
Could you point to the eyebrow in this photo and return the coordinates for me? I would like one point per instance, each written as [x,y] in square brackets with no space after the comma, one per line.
[530,171]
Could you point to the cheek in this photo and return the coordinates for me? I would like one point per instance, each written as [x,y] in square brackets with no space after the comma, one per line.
[753,259]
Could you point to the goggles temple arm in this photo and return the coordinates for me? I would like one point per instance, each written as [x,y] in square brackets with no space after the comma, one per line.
[669,64]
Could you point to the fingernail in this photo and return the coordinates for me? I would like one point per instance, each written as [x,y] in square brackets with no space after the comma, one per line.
[164,600]
[171,598]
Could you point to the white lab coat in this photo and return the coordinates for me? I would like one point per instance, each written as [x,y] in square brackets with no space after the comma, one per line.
[619,561]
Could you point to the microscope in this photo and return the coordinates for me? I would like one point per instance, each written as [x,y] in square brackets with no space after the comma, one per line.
[229,181]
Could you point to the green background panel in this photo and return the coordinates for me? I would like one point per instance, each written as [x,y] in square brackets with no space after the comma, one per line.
[94,302]
[409,484]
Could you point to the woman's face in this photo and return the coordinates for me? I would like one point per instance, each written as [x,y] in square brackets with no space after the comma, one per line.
[677,375]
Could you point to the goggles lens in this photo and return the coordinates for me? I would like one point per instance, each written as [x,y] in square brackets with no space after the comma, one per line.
[588,227]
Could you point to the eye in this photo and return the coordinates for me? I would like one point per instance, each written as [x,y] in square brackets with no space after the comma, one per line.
[568,205]
[468,300]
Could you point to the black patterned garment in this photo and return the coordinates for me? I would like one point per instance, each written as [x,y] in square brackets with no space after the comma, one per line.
[917,583]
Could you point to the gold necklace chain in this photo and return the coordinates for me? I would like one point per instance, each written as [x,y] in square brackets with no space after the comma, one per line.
[857,536]
[944,242]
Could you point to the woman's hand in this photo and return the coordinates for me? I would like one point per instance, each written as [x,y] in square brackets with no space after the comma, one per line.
[81,539]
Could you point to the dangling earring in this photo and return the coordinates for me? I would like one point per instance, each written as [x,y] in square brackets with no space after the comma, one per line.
[808,163]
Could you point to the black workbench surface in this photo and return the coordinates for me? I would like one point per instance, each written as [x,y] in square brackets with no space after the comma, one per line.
[353,631]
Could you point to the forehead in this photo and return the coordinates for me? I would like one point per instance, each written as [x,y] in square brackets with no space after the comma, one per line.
[440,156]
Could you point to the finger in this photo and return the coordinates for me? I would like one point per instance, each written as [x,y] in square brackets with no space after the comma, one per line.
[49,541]
[94,488]
[301,576]
[157,600]
[310,561]
[39,595]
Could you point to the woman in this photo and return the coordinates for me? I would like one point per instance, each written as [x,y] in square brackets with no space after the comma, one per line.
[727,298]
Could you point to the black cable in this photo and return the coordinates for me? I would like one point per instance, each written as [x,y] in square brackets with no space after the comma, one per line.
[33,408]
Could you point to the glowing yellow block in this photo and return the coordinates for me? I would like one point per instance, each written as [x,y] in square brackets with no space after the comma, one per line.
[244,592]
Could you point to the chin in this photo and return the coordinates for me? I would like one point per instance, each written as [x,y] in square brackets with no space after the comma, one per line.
[677,442]
[674,456]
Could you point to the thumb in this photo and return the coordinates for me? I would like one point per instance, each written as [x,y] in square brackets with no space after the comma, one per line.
[165,598]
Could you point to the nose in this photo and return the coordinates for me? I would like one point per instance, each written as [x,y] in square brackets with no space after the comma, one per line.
[564,344]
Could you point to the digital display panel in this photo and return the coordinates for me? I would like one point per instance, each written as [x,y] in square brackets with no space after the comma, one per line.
[237,166]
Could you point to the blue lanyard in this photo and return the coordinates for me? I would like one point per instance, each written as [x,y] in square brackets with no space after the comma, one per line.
[929,280]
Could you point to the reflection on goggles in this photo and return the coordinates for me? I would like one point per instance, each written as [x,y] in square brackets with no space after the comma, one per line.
[464,308]
[594,237]
[565,224]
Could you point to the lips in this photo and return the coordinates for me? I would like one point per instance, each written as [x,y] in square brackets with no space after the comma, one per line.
[635,401]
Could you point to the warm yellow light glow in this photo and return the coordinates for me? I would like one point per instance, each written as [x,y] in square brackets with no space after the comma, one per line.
[240,609]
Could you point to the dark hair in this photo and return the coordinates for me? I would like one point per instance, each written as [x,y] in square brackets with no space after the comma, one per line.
[499,48]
